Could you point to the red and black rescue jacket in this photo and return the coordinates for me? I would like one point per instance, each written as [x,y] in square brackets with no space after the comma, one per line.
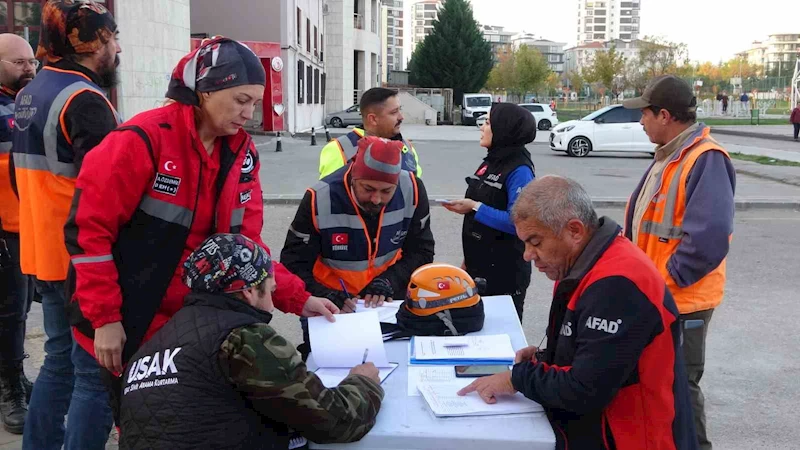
[133,210]
[612,376]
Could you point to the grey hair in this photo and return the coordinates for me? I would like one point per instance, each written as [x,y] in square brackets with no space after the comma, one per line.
[554,201]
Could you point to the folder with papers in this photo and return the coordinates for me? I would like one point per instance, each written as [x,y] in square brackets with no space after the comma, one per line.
[461,350]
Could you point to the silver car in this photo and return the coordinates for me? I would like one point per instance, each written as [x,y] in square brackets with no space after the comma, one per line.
[341,119]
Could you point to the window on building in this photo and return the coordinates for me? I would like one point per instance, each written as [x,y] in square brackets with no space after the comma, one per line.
[600,12]
[600,36]
[15,16]
[316,86]
[599,28]
[322,94]
[625,36]
[599,20]
[309,84]
[321,48]
[300,86]
[299,26]
[316,43]
[308,35]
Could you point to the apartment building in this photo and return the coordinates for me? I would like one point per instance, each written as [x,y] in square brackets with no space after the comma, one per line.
[605,20]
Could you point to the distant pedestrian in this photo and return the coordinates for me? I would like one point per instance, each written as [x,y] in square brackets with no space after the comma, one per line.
[681,216]
[724,103]
[795,120]
[745,99]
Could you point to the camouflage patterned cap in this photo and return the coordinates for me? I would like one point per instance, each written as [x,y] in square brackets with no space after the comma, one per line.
[227,263]
[71,27]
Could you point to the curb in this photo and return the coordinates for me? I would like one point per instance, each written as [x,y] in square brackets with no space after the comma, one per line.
[773,137]
[792,204]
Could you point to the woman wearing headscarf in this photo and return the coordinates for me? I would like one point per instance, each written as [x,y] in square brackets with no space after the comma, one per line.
[155,189]
[491,247]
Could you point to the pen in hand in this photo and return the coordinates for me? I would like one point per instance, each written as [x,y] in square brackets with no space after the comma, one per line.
[364,359]
[349,298]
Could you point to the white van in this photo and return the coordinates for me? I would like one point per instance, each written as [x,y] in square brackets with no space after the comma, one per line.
[474,106]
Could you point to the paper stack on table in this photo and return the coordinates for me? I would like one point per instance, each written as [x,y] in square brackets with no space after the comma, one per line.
[444,401]
[461,350]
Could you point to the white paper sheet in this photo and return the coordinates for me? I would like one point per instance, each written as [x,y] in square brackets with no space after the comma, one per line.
[332,377]
[497,346]
[444,401]
[386,313]
[433,374]
[341,344]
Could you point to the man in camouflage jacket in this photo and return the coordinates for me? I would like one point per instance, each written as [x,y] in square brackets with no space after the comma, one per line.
[218,376]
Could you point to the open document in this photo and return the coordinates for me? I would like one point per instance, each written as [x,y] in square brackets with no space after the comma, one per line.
[348,341]
[466,350]
[331,377]
[444,401]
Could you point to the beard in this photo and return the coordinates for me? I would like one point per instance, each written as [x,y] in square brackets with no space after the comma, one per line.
[21,82]
[109,77]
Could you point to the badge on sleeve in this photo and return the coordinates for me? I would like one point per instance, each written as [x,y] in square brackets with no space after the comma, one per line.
[249,163]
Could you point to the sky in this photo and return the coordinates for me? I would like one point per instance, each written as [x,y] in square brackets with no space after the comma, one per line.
[713,30]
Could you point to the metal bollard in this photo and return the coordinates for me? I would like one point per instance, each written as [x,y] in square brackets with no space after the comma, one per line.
[279,145]
[327,134]
[313,137]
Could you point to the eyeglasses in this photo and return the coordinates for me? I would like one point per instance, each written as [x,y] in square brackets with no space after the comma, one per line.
[21,63]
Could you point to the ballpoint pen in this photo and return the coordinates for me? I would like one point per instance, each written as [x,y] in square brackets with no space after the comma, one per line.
[364,360]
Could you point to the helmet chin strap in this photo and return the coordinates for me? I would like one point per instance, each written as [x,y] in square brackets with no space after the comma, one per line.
[448,321]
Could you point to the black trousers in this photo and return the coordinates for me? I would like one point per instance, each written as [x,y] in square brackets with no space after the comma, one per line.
[695,329]
[796,130]
[16,296]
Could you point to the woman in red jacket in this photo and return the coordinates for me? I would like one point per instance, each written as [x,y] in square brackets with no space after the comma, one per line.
[155,189]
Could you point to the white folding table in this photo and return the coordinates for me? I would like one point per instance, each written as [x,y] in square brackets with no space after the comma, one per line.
[407,423]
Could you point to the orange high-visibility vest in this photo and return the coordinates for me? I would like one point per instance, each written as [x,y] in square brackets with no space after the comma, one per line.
[660,230]
[45,169]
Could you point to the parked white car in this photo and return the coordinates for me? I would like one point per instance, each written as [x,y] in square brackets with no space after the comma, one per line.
[612,129]
[546,118]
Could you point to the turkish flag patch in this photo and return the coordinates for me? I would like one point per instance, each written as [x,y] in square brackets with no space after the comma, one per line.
[340,238]
[481,171]
[443,285]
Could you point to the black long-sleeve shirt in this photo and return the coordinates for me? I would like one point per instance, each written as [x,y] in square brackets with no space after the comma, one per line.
[302,246]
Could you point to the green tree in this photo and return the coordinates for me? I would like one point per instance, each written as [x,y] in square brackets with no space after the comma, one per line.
[576,81]
[531,70]
[503,75]
[658,56]
[455,55]
[608,71]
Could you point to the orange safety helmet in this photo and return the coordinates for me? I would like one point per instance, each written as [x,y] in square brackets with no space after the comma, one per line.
[442,300]
[437,287]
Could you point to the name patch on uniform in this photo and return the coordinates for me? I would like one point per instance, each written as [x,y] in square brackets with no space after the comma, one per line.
[166,184]
[245,196]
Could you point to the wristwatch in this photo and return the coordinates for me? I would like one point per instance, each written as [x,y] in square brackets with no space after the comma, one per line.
[477,206]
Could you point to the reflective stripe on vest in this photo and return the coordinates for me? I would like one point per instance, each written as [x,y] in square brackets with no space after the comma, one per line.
[327,221]
[349,150]
[49,161]
[237,217]
[166,211]
[661,232]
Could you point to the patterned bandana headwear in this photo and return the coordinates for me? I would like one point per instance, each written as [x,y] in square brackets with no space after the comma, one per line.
[218,64]
[227,263]
[73,27]
[378,159]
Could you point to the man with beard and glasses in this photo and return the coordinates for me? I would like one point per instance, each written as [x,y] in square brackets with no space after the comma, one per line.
[361,231]
[59,117]
[382,116]
[17,68]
